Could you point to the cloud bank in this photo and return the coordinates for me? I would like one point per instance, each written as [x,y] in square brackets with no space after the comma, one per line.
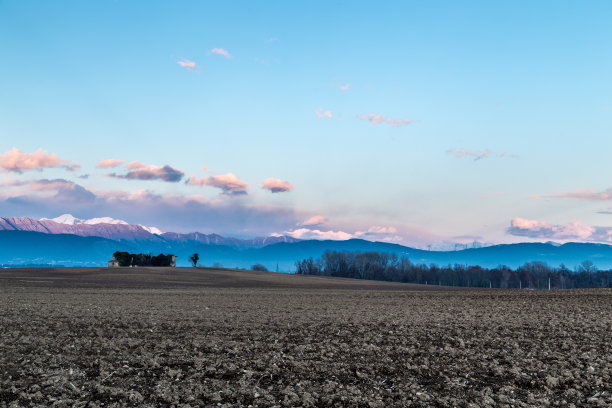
[179,213]
[575,230]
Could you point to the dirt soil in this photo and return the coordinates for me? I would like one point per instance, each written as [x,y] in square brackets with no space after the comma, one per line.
[186,338]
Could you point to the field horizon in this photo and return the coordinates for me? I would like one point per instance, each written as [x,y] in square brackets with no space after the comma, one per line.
[190,277]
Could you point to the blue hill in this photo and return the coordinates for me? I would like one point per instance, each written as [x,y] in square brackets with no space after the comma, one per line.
[20,247]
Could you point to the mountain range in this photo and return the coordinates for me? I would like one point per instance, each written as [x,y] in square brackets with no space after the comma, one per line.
[69,241]
[119,230]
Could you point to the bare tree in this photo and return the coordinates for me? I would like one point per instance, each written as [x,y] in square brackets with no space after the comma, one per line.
[194,259]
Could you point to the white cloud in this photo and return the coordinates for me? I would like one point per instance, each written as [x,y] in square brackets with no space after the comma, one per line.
[378,119]
[188,65]
[321,114]
[222,52]
[467,153]
[305,233]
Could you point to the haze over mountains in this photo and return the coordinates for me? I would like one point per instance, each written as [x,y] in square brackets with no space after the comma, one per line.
[70,241]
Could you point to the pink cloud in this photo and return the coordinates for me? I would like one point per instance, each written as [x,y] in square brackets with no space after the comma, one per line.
[276,185]
[541,229]
[51,185]
[109,163]
[461,153]
[188,65]
[382,230]
[344,87]
[222,52]
[321,114]
[378,119]
[40,185]
[314,220]
[583,194]
[467,153]
[141,171]
[378,233]
[17,161]
[228,183]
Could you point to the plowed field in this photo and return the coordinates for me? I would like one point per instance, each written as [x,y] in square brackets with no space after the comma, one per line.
[187,338]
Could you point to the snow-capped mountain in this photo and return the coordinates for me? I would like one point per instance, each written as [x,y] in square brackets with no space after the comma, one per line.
[69,219]
[84,228]
[66,219]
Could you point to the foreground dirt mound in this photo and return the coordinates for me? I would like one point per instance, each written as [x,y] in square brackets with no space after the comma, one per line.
[239,347]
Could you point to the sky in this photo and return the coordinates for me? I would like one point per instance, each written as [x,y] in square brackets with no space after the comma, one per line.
[414,122]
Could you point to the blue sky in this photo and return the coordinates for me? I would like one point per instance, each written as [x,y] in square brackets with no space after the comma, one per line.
[411,122]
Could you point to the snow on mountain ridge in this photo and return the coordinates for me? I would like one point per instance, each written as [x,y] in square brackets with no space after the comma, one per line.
[66,219]
[69,219]
[104,220]
[152,230]
[455,246]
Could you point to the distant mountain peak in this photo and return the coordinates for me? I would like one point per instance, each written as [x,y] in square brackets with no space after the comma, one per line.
[66,219]
[456,246]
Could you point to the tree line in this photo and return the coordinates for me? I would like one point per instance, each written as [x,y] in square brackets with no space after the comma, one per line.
[389,267]
[127,259]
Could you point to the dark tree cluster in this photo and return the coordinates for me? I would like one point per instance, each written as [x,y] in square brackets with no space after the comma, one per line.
[390,267]
[127,259]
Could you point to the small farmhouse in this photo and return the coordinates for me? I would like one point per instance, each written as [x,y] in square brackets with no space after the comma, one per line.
[113,263]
